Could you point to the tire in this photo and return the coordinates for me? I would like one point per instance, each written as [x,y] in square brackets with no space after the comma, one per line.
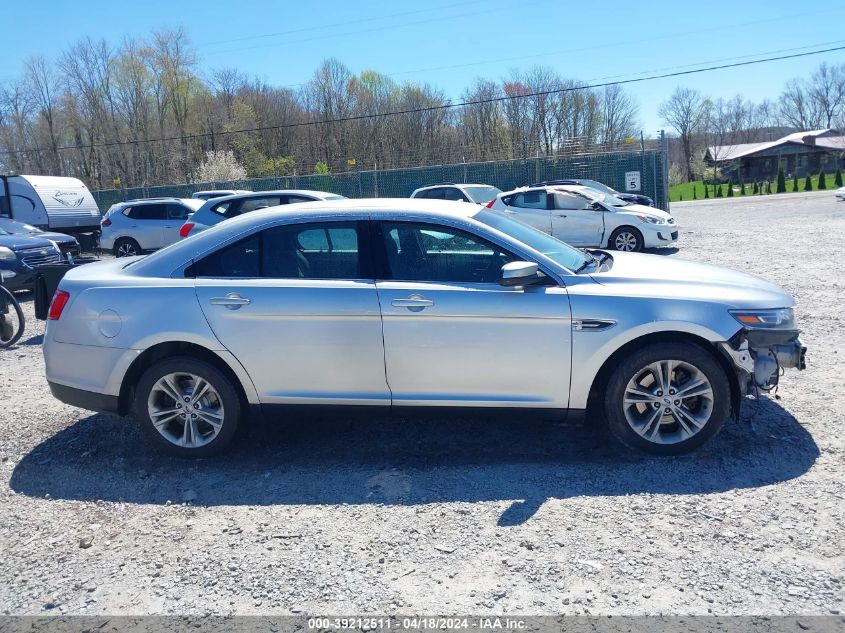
[126,247]
[181,436]
[626,238]
[649,422]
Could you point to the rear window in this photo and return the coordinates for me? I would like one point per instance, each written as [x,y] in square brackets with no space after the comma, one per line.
[147,212]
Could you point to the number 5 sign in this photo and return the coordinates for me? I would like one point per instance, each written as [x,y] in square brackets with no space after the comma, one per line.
[632,181]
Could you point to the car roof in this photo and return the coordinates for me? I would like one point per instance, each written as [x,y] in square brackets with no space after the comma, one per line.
[165,261]
[273,192]
[454,184]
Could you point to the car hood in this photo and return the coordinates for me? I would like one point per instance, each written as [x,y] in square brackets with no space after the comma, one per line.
[641,209]
[20,242]
[661,276]
[59,238]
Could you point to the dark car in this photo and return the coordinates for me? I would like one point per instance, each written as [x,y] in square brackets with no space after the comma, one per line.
[636,198]
[66,243]
[20,255]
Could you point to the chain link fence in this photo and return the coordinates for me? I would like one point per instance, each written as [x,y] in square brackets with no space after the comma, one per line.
[610,168]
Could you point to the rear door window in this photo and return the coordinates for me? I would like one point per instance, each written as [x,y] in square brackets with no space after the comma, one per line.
[147,212]
[326,250]
[530,200]
[177,212]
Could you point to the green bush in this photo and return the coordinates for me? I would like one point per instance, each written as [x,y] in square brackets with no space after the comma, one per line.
[781,188]
[718,191]
[321,168]
[837,179]
[808,183]
[822,182]
[794,182]
[756,189]
[694,192]
[706,192]
[742,187]
[730,187]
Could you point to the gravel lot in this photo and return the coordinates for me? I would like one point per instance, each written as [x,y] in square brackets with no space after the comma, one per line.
[452,516]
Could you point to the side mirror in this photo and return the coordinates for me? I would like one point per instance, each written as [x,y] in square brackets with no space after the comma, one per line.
[597,206]
[519,274]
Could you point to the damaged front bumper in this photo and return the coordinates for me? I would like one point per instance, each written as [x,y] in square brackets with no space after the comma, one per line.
[759,356]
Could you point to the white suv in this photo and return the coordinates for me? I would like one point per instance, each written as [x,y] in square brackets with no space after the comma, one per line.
[479,194]
[133,227]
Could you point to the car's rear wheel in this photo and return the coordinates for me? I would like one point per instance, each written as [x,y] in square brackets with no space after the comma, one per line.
[188,407]
[126,247]
[626,238]
[667,398]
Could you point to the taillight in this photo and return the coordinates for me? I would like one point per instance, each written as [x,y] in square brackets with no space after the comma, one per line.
[186,228]
[105,222]
[57,305]
[491,203]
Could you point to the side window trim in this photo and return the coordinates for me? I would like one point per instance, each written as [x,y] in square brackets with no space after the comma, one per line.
[382,267]
[365,256]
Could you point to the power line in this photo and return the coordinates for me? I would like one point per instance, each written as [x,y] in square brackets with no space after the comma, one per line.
[320,27]
[445,106]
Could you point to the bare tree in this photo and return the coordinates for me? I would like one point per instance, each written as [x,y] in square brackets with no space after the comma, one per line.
[686,111]
[618,115]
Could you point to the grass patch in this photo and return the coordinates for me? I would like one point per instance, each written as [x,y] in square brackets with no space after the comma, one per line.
[684,191]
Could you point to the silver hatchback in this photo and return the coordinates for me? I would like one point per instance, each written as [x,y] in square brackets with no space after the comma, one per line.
[403,304]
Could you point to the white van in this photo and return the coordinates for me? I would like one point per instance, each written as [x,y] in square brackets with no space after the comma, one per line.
[54,203]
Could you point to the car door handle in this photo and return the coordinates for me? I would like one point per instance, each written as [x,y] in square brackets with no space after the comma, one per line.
[414,303]
[560,215]
[231,301]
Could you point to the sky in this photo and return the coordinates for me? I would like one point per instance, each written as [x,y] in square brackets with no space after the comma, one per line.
[449,43]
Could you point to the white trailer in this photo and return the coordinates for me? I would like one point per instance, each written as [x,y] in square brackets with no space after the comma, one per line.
[54,203]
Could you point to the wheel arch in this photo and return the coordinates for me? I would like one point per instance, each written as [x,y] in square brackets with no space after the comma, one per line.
[169,349]
[630,227]
[602,376]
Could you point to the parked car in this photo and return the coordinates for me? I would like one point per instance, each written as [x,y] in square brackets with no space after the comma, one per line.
[636,198]
[139,226]
[840,193]
[583,216]
[217,193]
[20,255]
[406,304]
[480,194]
[52,203]
[220,209]
[66,243]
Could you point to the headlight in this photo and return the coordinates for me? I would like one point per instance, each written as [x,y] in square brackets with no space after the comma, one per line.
[779,318]
[7,254]
[651,219]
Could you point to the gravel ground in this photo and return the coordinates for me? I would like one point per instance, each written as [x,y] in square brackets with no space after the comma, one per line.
[452,516]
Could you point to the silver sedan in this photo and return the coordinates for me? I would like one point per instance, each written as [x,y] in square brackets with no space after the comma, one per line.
[404,304]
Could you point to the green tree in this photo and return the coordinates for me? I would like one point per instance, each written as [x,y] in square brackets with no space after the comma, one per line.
[730,187]
[694,192]
[822,181]
[706,191]
[781,181]
[837,179]
[808,183]
[742,187]
[756,189]
[719,191]
[321,168]
[794,182]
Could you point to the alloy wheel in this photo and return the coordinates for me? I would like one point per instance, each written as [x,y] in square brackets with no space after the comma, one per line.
[625,241]
[185,409]
[668,401]
[126,249]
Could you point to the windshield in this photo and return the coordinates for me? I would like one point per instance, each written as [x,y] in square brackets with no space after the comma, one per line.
[598,186]
[607,198]
[12,227]
[560,252]
[482,195]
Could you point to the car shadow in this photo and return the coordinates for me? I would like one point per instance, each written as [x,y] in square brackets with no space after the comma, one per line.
[666,250]
[415,461]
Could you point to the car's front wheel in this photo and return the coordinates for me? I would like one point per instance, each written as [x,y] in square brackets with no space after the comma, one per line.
[626,238]
[667,398]
[187,407]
